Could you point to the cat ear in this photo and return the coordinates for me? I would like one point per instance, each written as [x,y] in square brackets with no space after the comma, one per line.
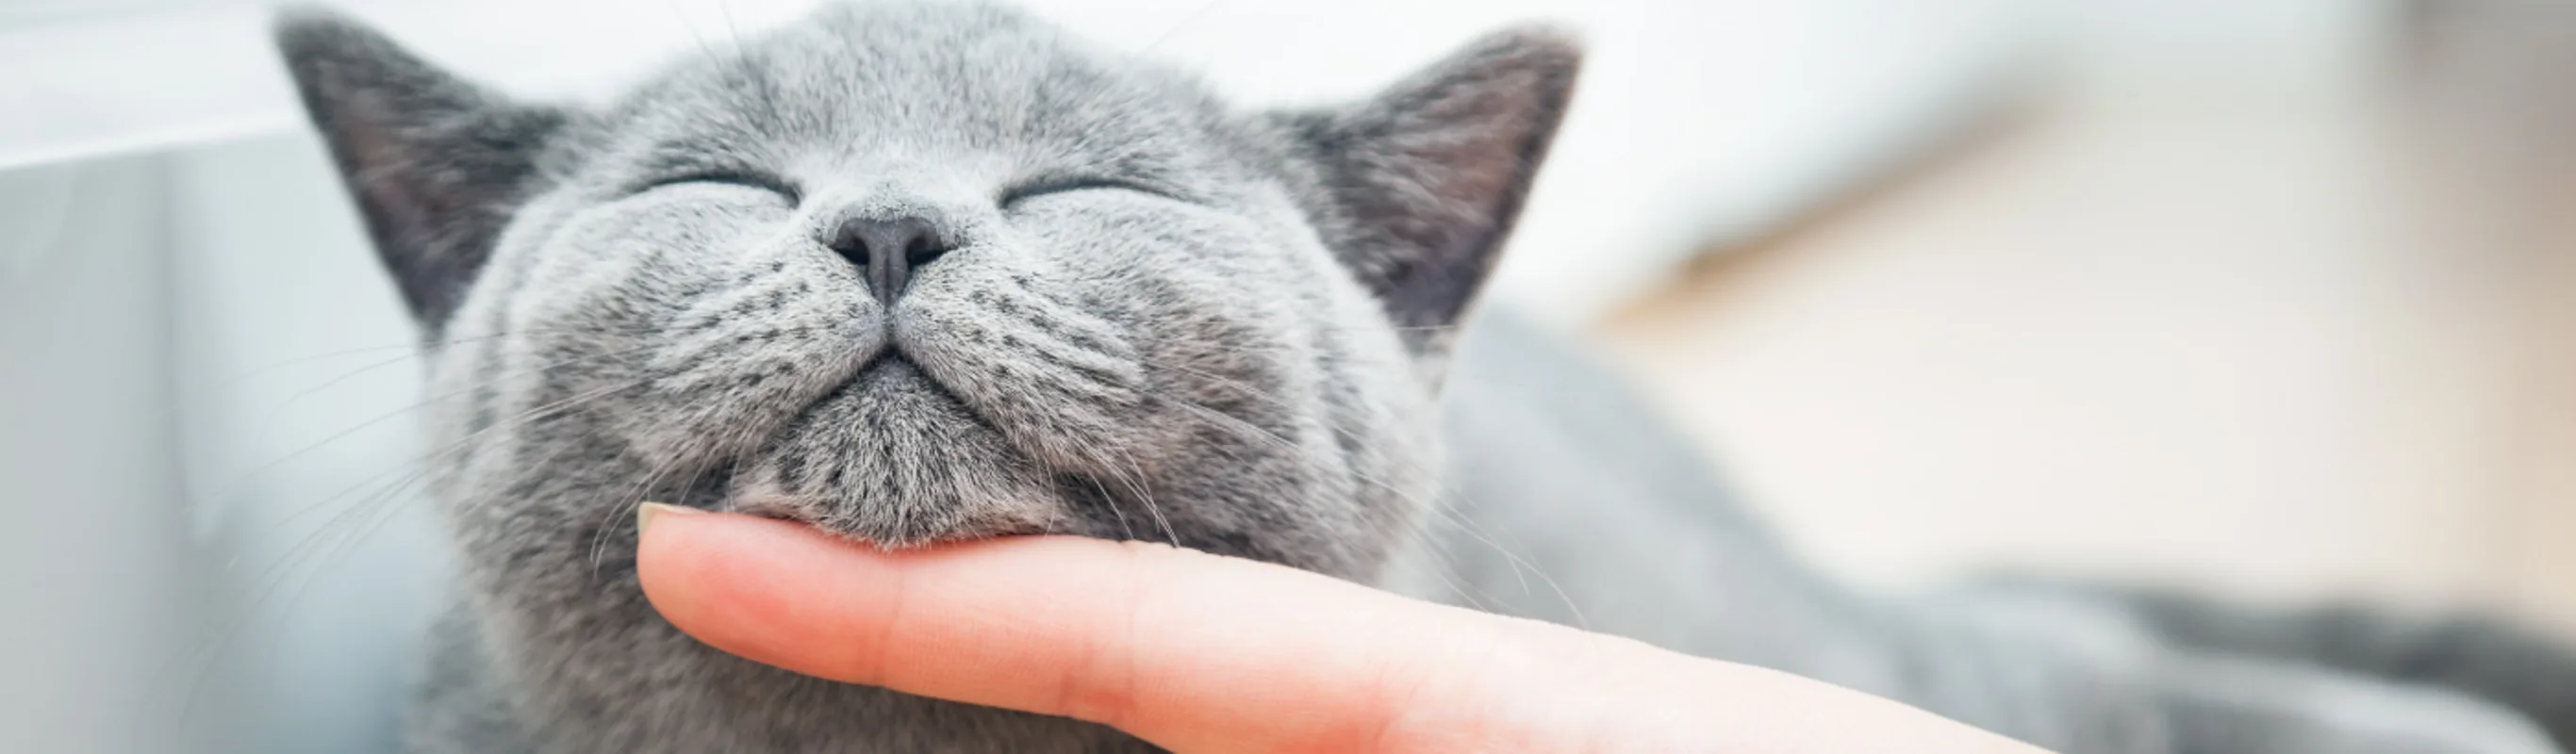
[1420,185]
[435,163]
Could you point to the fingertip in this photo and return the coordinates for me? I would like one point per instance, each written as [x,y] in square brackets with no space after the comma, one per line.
[747,585]
[672,560]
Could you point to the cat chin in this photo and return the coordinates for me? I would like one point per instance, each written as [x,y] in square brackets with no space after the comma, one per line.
[895,460]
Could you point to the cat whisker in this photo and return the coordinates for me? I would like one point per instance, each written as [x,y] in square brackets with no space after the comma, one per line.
[1128,530]
[336,535]
[1417,531]
[644,489]
[691,455]
[269,422]
[1433,506]
[416,348]
[427,461]
[1135,484]
[235,488]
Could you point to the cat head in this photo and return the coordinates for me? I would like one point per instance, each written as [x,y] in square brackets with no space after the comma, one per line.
[918,272]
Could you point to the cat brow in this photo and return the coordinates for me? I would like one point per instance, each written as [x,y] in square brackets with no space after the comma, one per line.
[695,153]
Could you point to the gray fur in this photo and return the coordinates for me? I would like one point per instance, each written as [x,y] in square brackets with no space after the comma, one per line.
[1156,317]
[2485,657]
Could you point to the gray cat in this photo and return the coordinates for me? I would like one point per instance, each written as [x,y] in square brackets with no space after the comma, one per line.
[924,272]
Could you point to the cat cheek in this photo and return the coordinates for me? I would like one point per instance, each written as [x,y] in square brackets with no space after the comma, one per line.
[1065,388]
[735,367]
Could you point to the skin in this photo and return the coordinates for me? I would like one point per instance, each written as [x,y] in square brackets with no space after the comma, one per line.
[1204,653]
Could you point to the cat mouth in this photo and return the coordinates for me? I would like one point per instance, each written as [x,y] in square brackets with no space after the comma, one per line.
[909,375]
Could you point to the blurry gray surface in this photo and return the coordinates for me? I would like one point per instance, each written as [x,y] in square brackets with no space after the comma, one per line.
[105,589]
[202,384]
[296,377]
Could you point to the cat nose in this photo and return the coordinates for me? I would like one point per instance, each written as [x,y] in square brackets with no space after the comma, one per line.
[888,249]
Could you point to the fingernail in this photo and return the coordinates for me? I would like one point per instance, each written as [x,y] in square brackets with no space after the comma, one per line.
[644,514]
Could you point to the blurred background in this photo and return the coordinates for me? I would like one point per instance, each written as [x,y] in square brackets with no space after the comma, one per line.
[2276,300]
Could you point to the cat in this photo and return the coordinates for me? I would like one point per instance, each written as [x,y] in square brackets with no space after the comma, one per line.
[923,272]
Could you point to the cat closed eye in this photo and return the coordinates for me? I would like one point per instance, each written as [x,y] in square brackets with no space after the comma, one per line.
[1068,185]
[753,181]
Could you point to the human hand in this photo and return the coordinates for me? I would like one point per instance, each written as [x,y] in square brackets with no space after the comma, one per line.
[1204,653]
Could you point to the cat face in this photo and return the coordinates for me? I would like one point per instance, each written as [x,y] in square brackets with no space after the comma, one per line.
[915,273]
